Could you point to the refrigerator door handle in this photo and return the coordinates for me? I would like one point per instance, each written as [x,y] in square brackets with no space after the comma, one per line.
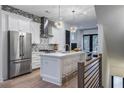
[22,45]
[19,61]
[20,48]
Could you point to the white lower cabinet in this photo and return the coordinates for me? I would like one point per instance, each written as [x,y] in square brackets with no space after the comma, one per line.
[69,65]
[36,60]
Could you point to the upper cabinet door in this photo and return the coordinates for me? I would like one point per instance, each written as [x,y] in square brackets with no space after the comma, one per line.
[35,30]
[56,36]
[37,33]
[13,24]
[32,29]
[24,25]
[18,24]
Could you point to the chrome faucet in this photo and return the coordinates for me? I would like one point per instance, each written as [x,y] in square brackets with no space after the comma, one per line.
[68,47]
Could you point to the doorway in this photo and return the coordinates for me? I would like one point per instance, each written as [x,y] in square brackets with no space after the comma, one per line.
[117,82]
[90,42]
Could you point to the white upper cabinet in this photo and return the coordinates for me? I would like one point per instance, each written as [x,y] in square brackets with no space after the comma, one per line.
[24,26]
[35,30]
[58,38]
[37,25]
[13,24]
[18,24]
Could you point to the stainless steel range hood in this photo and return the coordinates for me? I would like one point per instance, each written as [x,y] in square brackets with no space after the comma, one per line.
[44,28]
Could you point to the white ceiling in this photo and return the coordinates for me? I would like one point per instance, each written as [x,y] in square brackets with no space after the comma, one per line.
[81,19]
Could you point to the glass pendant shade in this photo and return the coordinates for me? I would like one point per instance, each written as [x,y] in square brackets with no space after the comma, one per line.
[59,24]
[73,29]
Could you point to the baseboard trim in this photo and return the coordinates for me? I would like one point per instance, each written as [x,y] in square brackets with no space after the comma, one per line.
[51,79]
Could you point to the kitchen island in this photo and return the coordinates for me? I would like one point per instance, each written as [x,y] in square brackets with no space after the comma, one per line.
[56,66]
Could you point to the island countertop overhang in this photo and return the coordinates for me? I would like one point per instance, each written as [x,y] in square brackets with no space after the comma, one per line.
[60,54]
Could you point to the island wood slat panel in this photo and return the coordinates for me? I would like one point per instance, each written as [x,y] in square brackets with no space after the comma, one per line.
[90,73]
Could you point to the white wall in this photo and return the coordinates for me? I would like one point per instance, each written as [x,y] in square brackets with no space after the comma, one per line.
[100,38]
[59,36]
[4,46]
[61,39]
[102,49]
[112,20]
[0,46]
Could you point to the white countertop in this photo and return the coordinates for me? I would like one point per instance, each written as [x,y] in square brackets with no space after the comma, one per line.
[59,54]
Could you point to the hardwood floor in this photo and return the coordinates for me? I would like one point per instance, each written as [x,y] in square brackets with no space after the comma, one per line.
[33,80]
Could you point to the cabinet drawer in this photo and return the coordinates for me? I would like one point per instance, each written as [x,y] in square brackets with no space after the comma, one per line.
[36,58]
[35,65]
[33,58]
[35,62]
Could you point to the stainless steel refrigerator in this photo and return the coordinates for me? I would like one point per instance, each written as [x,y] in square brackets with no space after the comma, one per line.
[19,53]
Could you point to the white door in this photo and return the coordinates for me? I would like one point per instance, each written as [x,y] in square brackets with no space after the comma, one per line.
[117,82]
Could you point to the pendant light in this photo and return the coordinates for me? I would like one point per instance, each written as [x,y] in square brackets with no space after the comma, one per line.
[59,22]
[73,28]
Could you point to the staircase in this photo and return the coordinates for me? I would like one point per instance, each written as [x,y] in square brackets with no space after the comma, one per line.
[90,73]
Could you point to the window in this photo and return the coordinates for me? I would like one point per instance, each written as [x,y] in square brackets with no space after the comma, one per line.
[90,42]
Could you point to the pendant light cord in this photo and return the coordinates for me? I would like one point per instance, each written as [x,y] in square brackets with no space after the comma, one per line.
[73,16]
[73,28]
[59,12]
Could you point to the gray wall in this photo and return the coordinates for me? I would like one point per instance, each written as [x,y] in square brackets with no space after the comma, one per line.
[112,19]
